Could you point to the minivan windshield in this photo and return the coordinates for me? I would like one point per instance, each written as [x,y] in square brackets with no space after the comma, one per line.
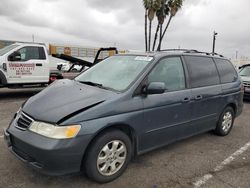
[245,71]
[7,49]
[116,72]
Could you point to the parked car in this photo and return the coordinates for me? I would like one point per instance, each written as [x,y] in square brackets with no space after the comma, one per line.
[245,76]
[67,66]
[125,106]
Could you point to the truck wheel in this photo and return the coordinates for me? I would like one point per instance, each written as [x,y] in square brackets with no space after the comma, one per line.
[225,123]
[108,156]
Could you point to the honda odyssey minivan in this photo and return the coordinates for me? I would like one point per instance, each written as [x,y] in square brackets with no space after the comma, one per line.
[122,107]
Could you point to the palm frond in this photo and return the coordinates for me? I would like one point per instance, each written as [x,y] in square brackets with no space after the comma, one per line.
[146,3]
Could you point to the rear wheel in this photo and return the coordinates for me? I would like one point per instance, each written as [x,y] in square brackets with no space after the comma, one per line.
[225,123]
[108,156]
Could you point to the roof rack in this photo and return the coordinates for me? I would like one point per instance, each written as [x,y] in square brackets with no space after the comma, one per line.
[180,49]
[192,51]
[217,54]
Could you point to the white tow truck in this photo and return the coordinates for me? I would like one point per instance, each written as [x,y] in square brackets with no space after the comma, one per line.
[28,65]
[25,64]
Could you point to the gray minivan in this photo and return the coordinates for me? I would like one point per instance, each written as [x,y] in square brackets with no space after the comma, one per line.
[122,107]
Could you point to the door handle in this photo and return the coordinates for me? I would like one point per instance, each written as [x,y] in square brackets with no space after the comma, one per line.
[39,64]
[198,97]
[186,99]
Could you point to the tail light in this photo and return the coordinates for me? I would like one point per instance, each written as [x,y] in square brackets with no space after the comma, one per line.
[52,79]
[4,66]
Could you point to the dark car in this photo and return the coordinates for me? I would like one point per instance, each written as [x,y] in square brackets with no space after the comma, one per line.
[245,76]
[122,107]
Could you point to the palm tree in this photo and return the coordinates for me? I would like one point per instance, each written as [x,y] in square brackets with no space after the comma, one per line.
[151,15]
[146,4]
[153,7]
[161,15]
[174,6]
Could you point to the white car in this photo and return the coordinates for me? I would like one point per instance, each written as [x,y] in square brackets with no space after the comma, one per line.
[66,66]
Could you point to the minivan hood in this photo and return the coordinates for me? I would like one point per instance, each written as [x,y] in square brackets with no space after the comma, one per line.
[63,99]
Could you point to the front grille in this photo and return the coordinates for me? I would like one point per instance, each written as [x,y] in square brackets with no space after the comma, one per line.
[23,121]
[246,84]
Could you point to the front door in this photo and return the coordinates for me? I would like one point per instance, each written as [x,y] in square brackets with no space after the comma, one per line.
[167,115]
[32,68]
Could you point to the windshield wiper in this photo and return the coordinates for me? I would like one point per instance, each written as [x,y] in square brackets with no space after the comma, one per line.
[91,83]
[96,85]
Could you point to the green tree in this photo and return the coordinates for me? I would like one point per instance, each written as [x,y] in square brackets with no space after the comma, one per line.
[161,14]
[174,6]
[151,6]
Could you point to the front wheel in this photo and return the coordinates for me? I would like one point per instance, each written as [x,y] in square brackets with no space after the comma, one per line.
[108,156]
[225,123]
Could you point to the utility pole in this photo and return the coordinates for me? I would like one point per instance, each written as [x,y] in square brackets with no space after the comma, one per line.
[33,38]
[236,55]
[214,38]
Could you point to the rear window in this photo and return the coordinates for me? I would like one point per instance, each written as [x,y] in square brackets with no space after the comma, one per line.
[202,71]
[226,70]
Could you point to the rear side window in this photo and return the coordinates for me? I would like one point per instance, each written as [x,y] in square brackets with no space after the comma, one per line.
[169,71]
[226,70]
[202,71]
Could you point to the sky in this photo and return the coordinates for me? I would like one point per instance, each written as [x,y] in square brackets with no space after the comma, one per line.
[102,23]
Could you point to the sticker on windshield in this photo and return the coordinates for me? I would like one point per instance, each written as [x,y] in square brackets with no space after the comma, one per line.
[143,58]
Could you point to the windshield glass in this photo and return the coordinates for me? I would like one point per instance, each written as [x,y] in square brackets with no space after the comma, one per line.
[116,72]
[245,71]
[7,49]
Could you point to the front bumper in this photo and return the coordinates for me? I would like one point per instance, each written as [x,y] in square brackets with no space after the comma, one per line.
[49,156]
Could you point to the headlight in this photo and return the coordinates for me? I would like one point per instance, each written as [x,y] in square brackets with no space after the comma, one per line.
[53,131]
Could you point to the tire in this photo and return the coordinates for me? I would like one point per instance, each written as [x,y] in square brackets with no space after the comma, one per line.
[225,123]
[101,149]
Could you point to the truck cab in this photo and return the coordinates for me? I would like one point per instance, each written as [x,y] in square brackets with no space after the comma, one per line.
[24,64]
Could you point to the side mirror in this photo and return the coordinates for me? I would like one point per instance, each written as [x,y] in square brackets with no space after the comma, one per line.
[15,56]
[155,88]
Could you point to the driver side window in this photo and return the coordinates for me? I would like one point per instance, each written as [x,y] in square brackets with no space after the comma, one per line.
[28,53]
[169,71]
